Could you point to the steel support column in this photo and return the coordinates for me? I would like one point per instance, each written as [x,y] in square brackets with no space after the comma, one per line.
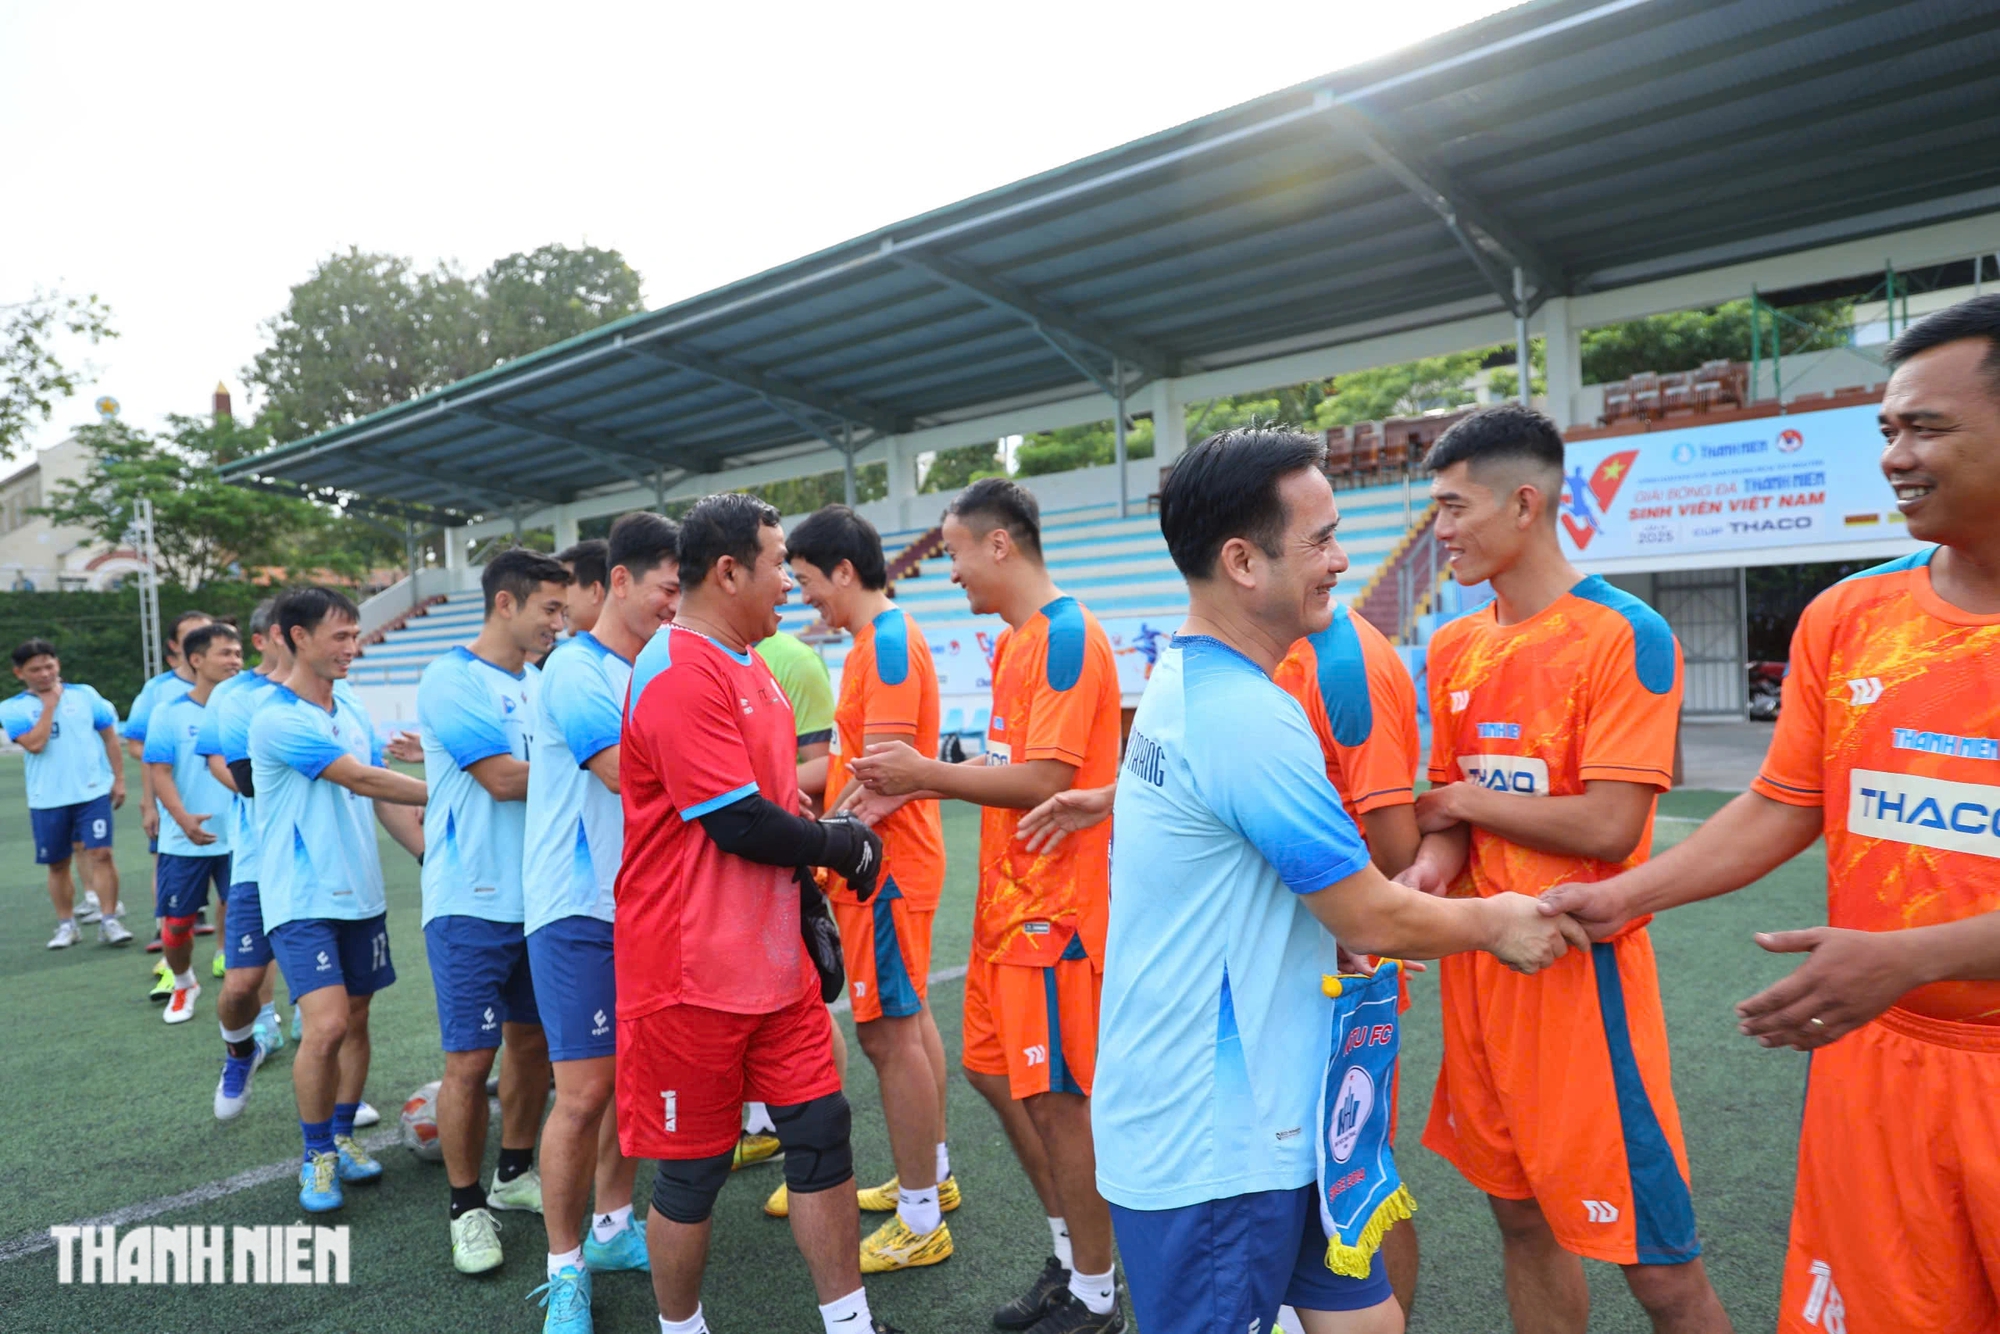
[1523,366]
[1118,433]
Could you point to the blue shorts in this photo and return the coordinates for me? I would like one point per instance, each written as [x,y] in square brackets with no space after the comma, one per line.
[479,970]
[59,828]
[316,952]
[245,945]
[1230,1264]
[180,885]
[576,988]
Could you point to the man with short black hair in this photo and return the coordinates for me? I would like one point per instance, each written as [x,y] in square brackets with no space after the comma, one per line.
[177,677]
[474,705]
[575,839]
[1553,716]
[1886,747]
[1033,981]
[194,854]
[74,784]
[316,772]
[589,564]
[719,1000]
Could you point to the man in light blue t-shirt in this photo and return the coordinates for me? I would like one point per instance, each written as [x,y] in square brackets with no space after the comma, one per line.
[177,677]
[194,836]
[1235,870]
[575,839]
[76,778]
[317,779]
[474,708]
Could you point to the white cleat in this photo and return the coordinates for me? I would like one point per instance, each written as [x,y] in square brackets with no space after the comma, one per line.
[91,909]
[180,1006]
[364,1115]
[66,935]
[111,931]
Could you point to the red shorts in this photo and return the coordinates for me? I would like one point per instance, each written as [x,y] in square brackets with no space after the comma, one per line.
[887,945]
[1557,1088]
[684,1073]
[1896,1223]
[1035,1024]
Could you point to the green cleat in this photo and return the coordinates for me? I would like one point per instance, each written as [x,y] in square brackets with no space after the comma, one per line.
[524,1192]
[163,984]
[475,1242]
[216,967]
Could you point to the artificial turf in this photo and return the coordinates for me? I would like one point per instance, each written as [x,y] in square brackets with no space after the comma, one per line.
[104,1107]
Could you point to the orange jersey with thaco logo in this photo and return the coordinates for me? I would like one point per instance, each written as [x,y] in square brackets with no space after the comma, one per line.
[1558,1087]
[1890,723]
[1036,972]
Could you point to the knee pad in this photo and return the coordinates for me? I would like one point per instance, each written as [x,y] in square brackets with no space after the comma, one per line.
[818,1152]
[685,1189]
[176,931]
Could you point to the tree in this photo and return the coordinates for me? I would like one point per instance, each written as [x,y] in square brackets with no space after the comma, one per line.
[956,469]
[203,526]
[1089,446]
[1682,340]
[35,374]
[544,296]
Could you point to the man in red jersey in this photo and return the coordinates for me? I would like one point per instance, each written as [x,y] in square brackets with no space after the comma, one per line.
[1888,744]
[719,1001]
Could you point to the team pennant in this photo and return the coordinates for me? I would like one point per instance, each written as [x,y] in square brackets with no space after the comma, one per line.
[1361,1195]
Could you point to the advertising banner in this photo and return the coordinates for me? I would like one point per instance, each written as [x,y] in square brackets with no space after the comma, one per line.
[963,654]
[1771,482]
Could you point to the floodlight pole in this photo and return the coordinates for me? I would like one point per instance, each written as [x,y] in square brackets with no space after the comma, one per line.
[1522,365]
[149,590]
[1118,430]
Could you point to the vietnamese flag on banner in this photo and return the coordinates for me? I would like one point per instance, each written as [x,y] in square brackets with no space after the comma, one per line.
[1579,517]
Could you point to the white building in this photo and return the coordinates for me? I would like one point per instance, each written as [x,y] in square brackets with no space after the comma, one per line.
[38,556]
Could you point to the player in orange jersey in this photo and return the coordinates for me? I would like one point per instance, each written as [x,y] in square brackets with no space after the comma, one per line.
[1888,744]
[888,692]
[1032,984]
[1553,715]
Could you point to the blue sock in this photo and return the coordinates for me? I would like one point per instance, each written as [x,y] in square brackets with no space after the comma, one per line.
[343,1117]
[319,1136]
[270,1011]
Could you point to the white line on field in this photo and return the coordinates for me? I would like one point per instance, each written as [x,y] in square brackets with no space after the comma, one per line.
[36,1242]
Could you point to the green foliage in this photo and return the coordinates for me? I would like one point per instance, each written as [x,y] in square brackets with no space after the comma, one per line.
[956,469]
[32,373]
[1506,380]
[1682,340]
[1089,446]
[368,331]
[97,634]
[803,495]
[1404,390]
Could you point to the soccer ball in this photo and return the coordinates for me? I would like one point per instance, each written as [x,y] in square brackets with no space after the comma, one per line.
[420,1124]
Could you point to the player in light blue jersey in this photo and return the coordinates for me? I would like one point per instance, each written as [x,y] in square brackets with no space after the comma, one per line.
[194,840]
[76,777]
[176,678]
[1235,872]
[315,765]
[473,712]
[575,838]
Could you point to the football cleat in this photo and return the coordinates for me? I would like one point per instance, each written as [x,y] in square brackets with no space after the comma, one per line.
[780,1203]
[475,1242]
[180,1005]
[524,1192]
[163,984]
[364,1115]
[882,1199]
[753,1149]
[355,1162]
[626,1250]
[893,1246]
[1050,1288]
[270,1035]
[91,910]
[111,931]
[232,1091]
[566,1299]
[66,935]
[1070,1316]
[298,1021]
[216,968]
[319,1183]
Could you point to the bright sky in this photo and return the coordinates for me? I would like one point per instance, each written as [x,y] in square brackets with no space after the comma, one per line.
[188,164]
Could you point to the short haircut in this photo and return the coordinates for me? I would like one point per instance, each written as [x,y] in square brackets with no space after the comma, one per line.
[588,561]
[28,650]
[1227,487]
[304,608]
[199,640]
[641,542]
[835,533]
[520,571]
[1505,431]
[264,616]
[1976,318]
[174,626]
[730,524]
[998,502]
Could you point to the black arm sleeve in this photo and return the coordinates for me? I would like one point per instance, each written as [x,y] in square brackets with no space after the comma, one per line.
[240,771]
[757,829]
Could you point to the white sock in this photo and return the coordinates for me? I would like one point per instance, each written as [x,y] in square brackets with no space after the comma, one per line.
[759,1121]
[573,1258]
[1059,1234]
[184,980]
[243,1034]
[607,1226]
[694,1324]
[1093,1290]
[944,1162]
[919,1209]
[1288,1320]
[847,1315]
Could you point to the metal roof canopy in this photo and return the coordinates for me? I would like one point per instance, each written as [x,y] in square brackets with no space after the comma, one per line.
[1591,146]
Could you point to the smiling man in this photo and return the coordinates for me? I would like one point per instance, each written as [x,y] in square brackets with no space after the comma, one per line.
[1889,745]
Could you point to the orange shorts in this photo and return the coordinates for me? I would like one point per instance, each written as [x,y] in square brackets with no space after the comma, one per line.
[1035,1024]
[1896,1224]
[1557,1088]
[887,945]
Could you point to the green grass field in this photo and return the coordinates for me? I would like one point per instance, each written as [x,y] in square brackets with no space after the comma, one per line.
[105,1108]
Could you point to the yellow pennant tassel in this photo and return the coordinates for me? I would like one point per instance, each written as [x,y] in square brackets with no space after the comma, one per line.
[1353,1261]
